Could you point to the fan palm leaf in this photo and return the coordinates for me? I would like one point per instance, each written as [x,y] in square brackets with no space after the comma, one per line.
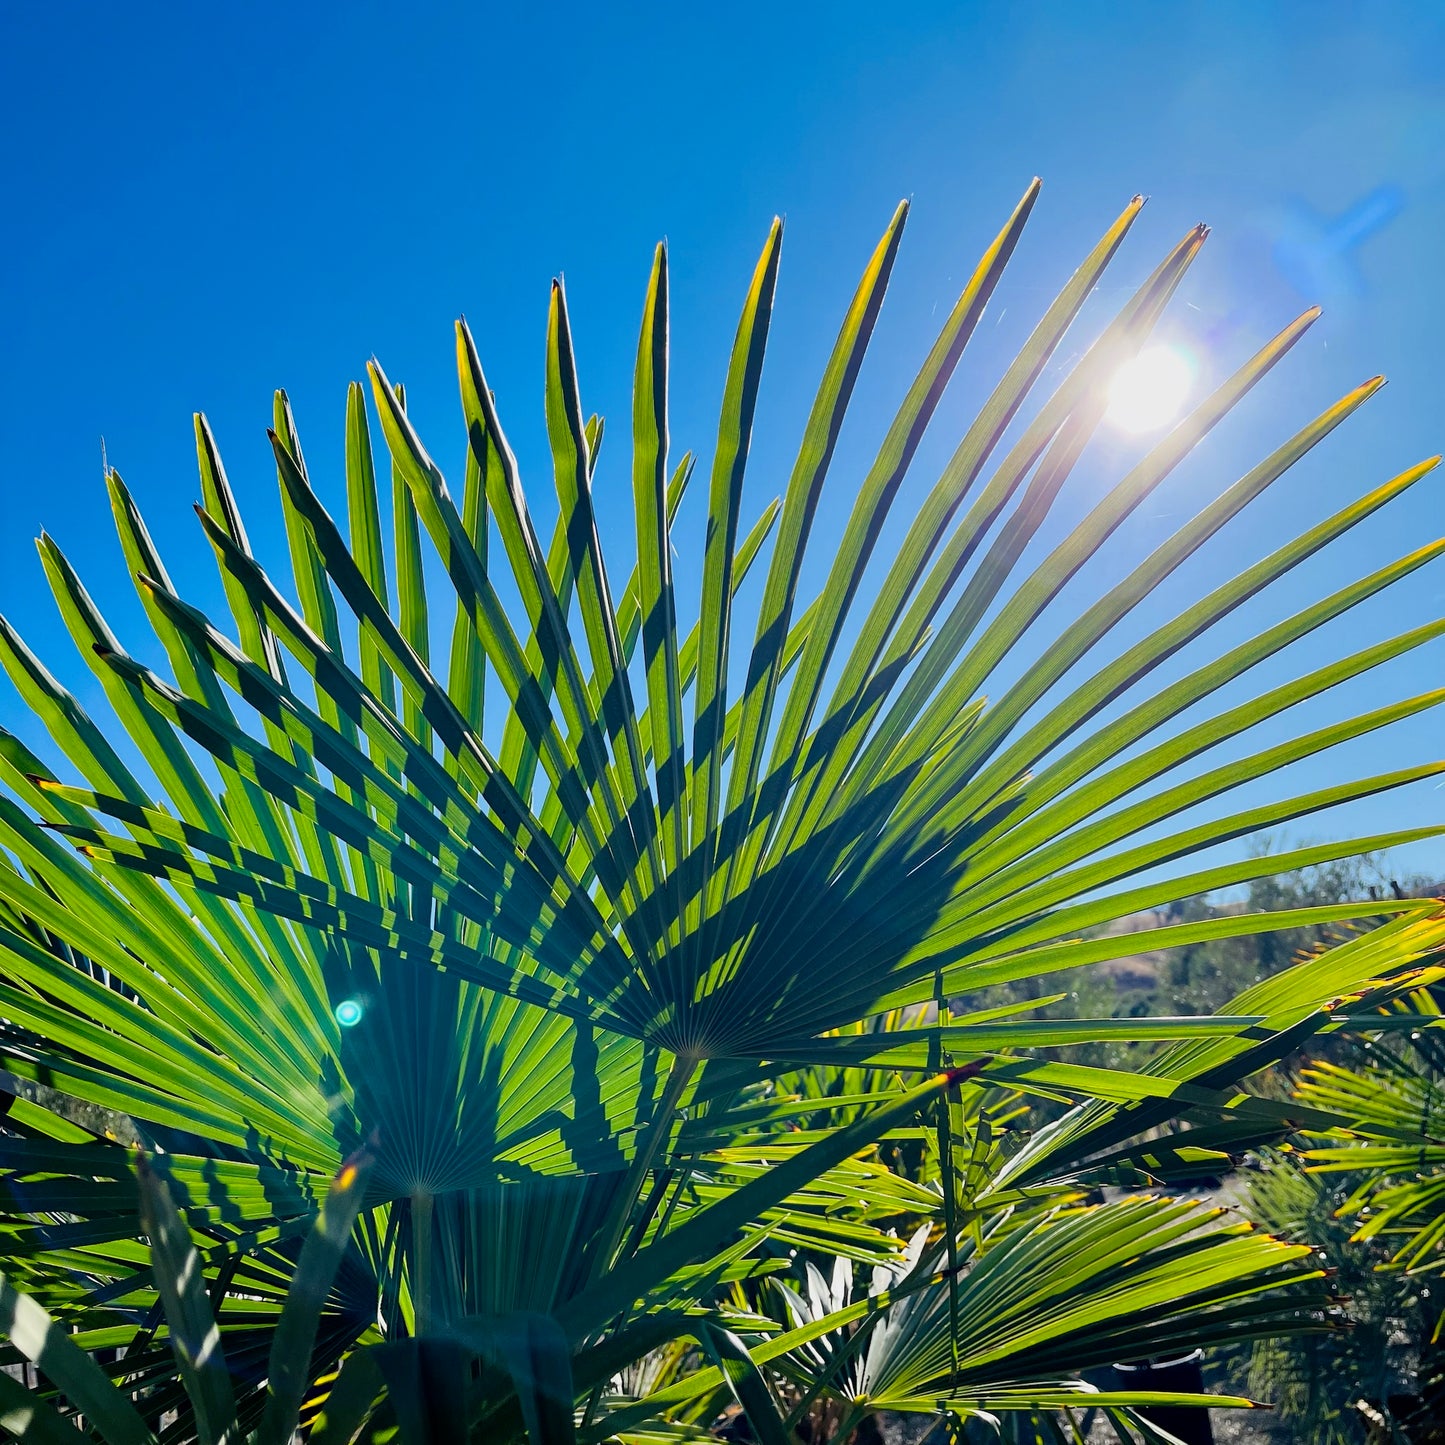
[505,910]
[1393,1101]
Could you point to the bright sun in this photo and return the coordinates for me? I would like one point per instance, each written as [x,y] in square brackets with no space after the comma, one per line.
[1148,392]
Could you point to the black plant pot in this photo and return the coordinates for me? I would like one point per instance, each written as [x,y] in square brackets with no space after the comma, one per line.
[1184,1374]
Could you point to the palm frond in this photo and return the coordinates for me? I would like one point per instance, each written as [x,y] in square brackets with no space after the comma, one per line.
[534,878]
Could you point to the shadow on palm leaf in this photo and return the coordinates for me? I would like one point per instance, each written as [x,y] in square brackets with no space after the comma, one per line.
[812,943]
[454,1087]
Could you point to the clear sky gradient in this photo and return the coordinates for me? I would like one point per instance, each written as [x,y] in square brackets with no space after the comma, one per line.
[203,202]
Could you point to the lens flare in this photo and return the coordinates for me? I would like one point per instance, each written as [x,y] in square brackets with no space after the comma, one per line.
[1148,392]
[348,1012]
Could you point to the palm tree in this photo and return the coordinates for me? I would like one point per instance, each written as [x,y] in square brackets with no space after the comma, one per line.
[1373,1198]
[455,987]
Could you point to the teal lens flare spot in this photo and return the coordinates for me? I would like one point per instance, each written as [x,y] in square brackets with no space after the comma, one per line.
[348,1013]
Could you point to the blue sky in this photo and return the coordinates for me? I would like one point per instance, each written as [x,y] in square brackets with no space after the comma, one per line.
[205,202]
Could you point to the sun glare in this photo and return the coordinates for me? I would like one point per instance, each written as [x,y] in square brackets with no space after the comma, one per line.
[1148,392]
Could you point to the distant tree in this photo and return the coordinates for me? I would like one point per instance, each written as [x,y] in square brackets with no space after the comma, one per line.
[1202,977]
